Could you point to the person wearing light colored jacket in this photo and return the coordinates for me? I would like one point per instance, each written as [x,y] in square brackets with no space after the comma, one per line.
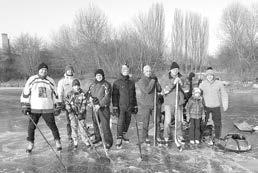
[215,96]
[64,86]
[38,99]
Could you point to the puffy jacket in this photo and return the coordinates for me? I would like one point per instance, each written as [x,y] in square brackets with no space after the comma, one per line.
[101,90]
[195,108]
[123,93]
[214,94]
[147,86]
[64,86]
[76,102]
[40,94]
[167,84]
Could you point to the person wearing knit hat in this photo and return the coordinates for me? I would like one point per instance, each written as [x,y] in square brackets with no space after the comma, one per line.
[215,96]
[99,74]
[63,88]
[43,69]
[38,99]
[75,104]
[168,83]
[100,92]
[124,103]
[69,70]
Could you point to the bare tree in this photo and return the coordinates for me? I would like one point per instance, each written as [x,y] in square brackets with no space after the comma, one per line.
[239,26]
[28,48]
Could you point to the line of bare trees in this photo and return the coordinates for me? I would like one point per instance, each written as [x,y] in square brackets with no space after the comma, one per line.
[90,42]
[239,48]
[190,38]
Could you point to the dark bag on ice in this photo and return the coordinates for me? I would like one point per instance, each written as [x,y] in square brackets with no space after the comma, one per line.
[236,143]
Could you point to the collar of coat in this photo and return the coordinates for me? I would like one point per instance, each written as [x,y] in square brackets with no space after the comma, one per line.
[124,77]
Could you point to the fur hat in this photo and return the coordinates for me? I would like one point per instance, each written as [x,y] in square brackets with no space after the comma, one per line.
[76,82]
[42,65]
[174,65]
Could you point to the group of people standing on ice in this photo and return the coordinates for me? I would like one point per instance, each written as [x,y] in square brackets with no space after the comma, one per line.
[41,97]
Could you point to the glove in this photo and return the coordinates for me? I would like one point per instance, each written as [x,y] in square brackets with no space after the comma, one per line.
[177,80]
[95,100]
[26,111]
[60,105]
[134,110]
[154,78]
[191,76]
[25,108]
[116,111]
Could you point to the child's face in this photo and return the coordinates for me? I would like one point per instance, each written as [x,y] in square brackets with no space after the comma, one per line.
[196,95]
[76,87]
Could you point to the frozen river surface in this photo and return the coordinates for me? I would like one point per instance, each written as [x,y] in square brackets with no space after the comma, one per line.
[13,132]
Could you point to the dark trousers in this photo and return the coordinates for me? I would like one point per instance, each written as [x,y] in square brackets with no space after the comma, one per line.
[68,125]
[103,115]
[216,117]
[50,121]
[123,123]
[194,131]
[147,112]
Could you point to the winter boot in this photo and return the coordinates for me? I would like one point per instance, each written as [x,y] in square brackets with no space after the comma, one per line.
[119,143]
[30,147]
[58,145]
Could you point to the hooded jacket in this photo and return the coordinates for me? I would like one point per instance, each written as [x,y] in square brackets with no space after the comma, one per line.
[123,93]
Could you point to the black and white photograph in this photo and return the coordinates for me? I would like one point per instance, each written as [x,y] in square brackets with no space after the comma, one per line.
[129,86]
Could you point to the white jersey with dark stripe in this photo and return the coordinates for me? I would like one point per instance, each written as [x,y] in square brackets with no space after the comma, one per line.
[40,94]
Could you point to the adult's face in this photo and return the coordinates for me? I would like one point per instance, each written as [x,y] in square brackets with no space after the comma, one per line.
[125,71]
[69,72]
[147,71]
[43,72]
[99,77]
[210,77]
[174,71]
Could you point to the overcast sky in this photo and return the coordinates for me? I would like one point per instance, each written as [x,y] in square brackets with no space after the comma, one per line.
[42,17]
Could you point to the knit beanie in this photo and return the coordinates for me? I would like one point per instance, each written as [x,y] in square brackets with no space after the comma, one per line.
[100,71]
[174,65]
[196,90]
[76,82]
[69,67]
[42,65]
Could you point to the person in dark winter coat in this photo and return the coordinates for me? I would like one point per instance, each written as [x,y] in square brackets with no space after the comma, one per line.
[147,85]
[124,103]
[100,90]
[38,99]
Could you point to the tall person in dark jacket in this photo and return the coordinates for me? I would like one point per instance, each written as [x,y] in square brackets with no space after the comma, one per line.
[124,103]
[100,90]
[147,85]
